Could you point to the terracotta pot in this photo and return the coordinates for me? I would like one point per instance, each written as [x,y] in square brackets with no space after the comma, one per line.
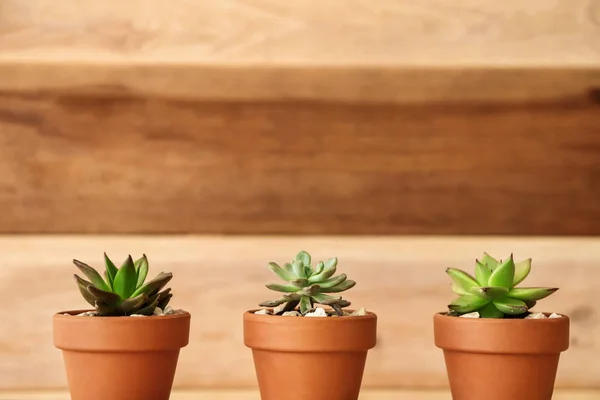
[500,359]
[309,357]
[120,358]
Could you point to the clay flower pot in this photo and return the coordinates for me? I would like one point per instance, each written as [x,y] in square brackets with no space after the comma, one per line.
[309,357]
[120,358]
[500,359]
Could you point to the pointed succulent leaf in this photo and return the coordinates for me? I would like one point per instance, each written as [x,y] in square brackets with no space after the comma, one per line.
[92,275]
[319,268]
[503,274]
[311,290]
[104,310]
[511,306]
[347,284]
[482,273]
[305,305]
[330,263]
[282,288]
[522,269]
[329,283]
[467,303]
[109,298]
[133,303]
[155,285]
[322,298]
[490,311]
[304,257]
[325,274]
[163,302]
[492,292]
[126,279]
[343,303]
[530,303]
[272,303]
[490,261]
[148,309]
[300,283]
[534,293]
[82,284]
[164,297]
[111,270]
[141,267]
[286,275]
[298,268]
[308,271]
[462,282]
[292,296]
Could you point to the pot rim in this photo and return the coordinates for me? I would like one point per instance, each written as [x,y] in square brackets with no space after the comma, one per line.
[370,315]
[73,313]
[502,321]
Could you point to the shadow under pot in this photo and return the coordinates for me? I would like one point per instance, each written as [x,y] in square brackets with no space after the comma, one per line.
[309,358]
[501,359]
[120,358]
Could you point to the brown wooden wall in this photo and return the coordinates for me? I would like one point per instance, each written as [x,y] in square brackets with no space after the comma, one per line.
[403,136]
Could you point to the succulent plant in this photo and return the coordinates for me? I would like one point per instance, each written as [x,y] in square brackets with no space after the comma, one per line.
[123,292]
[493,292]
[308,285]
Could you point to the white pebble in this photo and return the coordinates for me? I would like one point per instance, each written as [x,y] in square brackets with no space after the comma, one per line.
[137,315]
[555,315]
[168,310]
[291,314]
[158,311]
[536,316]
[360,312]
[319,312]
[87,314]
[264,311]
[473,314]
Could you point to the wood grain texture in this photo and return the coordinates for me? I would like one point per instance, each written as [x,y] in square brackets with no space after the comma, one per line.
[402,279]
[254,395]
[432,32]
[111,158]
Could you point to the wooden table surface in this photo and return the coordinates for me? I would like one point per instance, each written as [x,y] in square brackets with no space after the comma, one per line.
[253,395]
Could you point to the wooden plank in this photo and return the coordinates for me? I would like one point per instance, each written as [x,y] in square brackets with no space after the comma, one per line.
[253,395]
[417,32]
[374,84]
[107,159]
[402,279]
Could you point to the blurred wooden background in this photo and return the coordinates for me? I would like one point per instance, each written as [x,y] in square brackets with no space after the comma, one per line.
[401,136]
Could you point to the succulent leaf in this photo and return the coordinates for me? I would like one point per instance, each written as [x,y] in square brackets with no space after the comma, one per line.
[342,287]
[141,267]
[82,284]
[92,275]
[300,283]
[149,308]
[503,274]
[109,298]
[462,283]
[111,270]
[329,283]
[282,288]
[511,306]
[492,292]
[319,268]
[155,285]
[164,297]
[331,263]
[534,293]
[126,279]
[467,303]
[490,311]
[489,261]
[522,270]
[482,273]
[325,299]
[272,303]
[310,290]
[134,303]
[285,274]
[327,273]
[305,305]
[304,257]
[298,268]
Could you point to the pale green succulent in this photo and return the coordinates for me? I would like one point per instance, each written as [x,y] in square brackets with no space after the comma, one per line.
[308,285]
[493,292]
